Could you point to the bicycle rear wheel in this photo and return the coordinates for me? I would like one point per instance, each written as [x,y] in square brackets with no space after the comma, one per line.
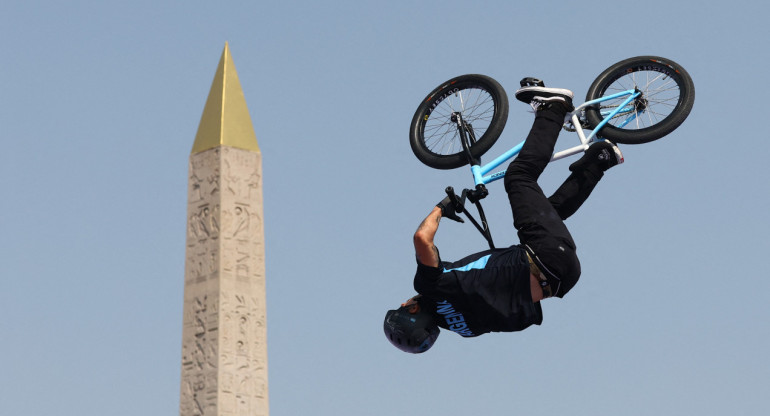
[667,96]
[433,135]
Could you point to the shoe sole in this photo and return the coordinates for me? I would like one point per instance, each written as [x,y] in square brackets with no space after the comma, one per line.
[527,94]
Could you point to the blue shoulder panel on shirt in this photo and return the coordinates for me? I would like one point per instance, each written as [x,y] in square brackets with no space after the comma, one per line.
[477,264]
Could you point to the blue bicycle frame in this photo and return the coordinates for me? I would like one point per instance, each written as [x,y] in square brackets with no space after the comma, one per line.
[481,174]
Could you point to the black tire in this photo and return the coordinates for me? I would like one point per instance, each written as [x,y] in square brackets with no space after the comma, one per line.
[434,138]
[668,94]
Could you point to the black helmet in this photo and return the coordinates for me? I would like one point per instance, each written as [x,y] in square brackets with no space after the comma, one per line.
[410,332]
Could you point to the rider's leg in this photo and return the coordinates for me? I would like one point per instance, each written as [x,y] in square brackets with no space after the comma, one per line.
[539,225]
[574,191]
[586,173]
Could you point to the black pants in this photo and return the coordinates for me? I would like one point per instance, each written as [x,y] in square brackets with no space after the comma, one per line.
[539,220]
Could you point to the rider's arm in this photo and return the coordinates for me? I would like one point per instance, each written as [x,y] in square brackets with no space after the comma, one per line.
[427,253]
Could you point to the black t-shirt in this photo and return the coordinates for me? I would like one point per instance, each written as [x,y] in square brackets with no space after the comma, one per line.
[484,292]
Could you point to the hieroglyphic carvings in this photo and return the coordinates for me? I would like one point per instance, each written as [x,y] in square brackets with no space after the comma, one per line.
[242,336]
[199,357]
[224,364]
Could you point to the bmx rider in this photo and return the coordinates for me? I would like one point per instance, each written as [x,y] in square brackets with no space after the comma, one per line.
[500,290]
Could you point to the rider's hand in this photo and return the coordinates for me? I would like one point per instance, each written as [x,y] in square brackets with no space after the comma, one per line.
[449,209]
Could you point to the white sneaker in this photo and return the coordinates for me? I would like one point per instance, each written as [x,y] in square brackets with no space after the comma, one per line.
[537,96]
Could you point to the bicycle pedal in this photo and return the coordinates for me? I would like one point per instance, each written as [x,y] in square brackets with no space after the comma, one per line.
[531,82]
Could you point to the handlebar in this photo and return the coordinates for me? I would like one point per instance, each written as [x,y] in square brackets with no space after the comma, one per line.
[474,196]
[459,203]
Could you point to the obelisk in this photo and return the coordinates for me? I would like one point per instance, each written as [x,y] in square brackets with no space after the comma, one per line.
[224,336]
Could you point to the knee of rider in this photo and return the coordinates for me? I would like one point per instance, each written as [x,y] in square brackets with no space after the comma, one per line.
[516,174]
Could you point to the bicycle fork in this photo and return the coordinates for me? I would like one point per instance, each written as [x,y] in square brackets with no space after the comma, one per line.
[467,137]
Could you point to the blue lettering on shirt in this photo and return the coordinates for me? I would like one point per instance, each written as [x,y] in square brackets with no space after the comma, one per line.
[455,320]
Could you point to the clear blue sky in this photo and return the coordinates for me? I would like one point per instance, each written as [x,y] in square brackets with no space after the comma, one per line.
[99,105]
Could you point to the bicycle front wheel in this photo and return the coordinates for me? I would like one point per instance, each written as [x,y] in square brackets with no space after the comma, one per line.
[434,137]
[667,97]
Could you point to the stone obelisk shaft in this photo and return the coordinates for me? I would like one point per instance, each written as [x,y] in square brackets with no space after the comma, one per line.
[224,336]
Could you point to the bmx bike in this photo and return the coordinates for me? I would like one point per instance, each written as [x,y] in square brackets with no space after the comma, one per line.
[634,101]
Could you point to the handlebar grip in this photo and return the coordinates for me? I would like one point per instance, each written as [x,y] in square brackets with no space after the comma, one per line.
[455,200]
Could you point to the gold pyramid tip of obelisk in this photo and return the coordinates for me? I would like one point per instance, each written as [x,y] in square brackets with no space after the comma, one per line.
[225,120]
